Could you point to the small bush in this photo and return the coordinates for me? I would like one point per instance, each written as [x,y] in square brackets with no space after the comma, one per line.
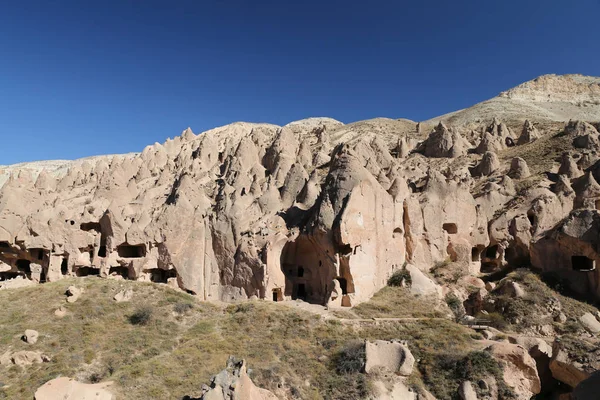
[141,316]
[240,308]
[351,358]
[182,308]
[455,306]
[399,277]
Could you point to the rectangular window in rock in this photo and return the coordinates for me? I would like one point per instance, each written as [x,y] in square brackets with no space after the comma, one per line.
[582,263]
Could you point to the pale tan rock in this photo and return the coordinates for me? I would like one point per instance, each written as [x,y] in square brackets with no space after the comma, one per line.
[60,312]
[518,169]
[395,390]
[392,356]
[488,165]
[69,389]
[569,167]
[25,358]
[590,323]
[234,383]
[520,371]
[529,133]
[31,336]
[466,391]
[123,295]
[73,293]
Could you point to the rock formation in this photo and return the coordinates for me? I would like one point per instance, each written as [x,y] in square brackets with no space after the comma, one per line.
[233,383]
[314,210]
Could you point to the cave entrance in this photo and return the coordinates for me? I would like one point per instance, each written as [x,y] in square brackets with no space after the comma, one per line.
[450,228]
[300,292]
[308,270]
[24,267]
[277,294]
[582,263]
[122,271]
[343,284]
[159,275]
[87,271]
[128,251]
[491,252]
[475,254]
[64,266]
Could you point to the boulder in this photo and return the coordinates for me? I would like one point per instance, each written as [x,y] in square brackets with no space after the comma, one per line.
[30,336]
[235,384]
[520,371]
[590,323]
[466,391]
[123,295]
[393,356]
[64,388]
[73,293]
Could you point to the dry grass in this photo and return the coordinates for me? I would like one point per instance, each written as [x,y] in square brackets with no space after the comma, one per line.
[398,302]
[185,342]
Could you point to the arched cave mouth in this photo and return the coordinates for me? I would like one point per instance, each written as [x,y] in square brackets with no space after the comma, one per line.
[308,271]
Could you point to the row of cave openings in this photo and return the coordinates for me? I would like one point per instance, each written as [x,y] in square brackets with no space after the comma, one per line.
[491,259]
[22,264]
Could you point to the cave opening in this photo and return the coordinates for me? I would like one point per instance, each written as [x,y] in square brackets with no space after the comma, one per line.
[118,270]
[308,270]
[475,254]
[4,245]
[129,251]
[64,266]
[277,295]
[491,251]
[90,226]
[87,271]
[159,275]
[583,263]
[343,284]
[24,267]
[450,228]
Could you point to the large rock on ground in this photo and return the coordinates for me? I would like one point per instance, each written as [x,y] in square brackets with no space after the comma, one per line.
[392,356]
[235,384]
[520,371]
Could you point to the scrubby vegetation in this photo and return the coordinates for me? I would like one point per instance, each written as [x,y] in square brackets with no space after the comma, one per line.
[181,343]
[447,370]
[398,302]
[400,278]
[538,307]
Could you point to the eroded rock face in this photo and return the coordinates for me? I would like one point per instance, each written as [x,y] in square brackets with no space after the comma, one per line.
[520,371]
[315,210]
[233,383]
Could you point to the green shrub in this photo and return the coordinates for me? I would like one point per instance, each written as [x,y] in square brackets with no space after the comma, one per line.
[141,316]
[399,277]
[351,358]
[182,308]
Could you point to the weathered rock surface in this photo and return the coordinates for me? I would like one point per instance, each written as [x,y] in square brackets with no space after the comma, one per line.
[520,371]
[69,389]
[393,356]
[123,295]
[315,210]
[233,383]
[31,336]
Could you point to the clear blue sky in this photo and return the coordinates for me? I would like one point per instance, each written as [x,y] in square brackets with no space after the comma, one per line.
[80,78]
